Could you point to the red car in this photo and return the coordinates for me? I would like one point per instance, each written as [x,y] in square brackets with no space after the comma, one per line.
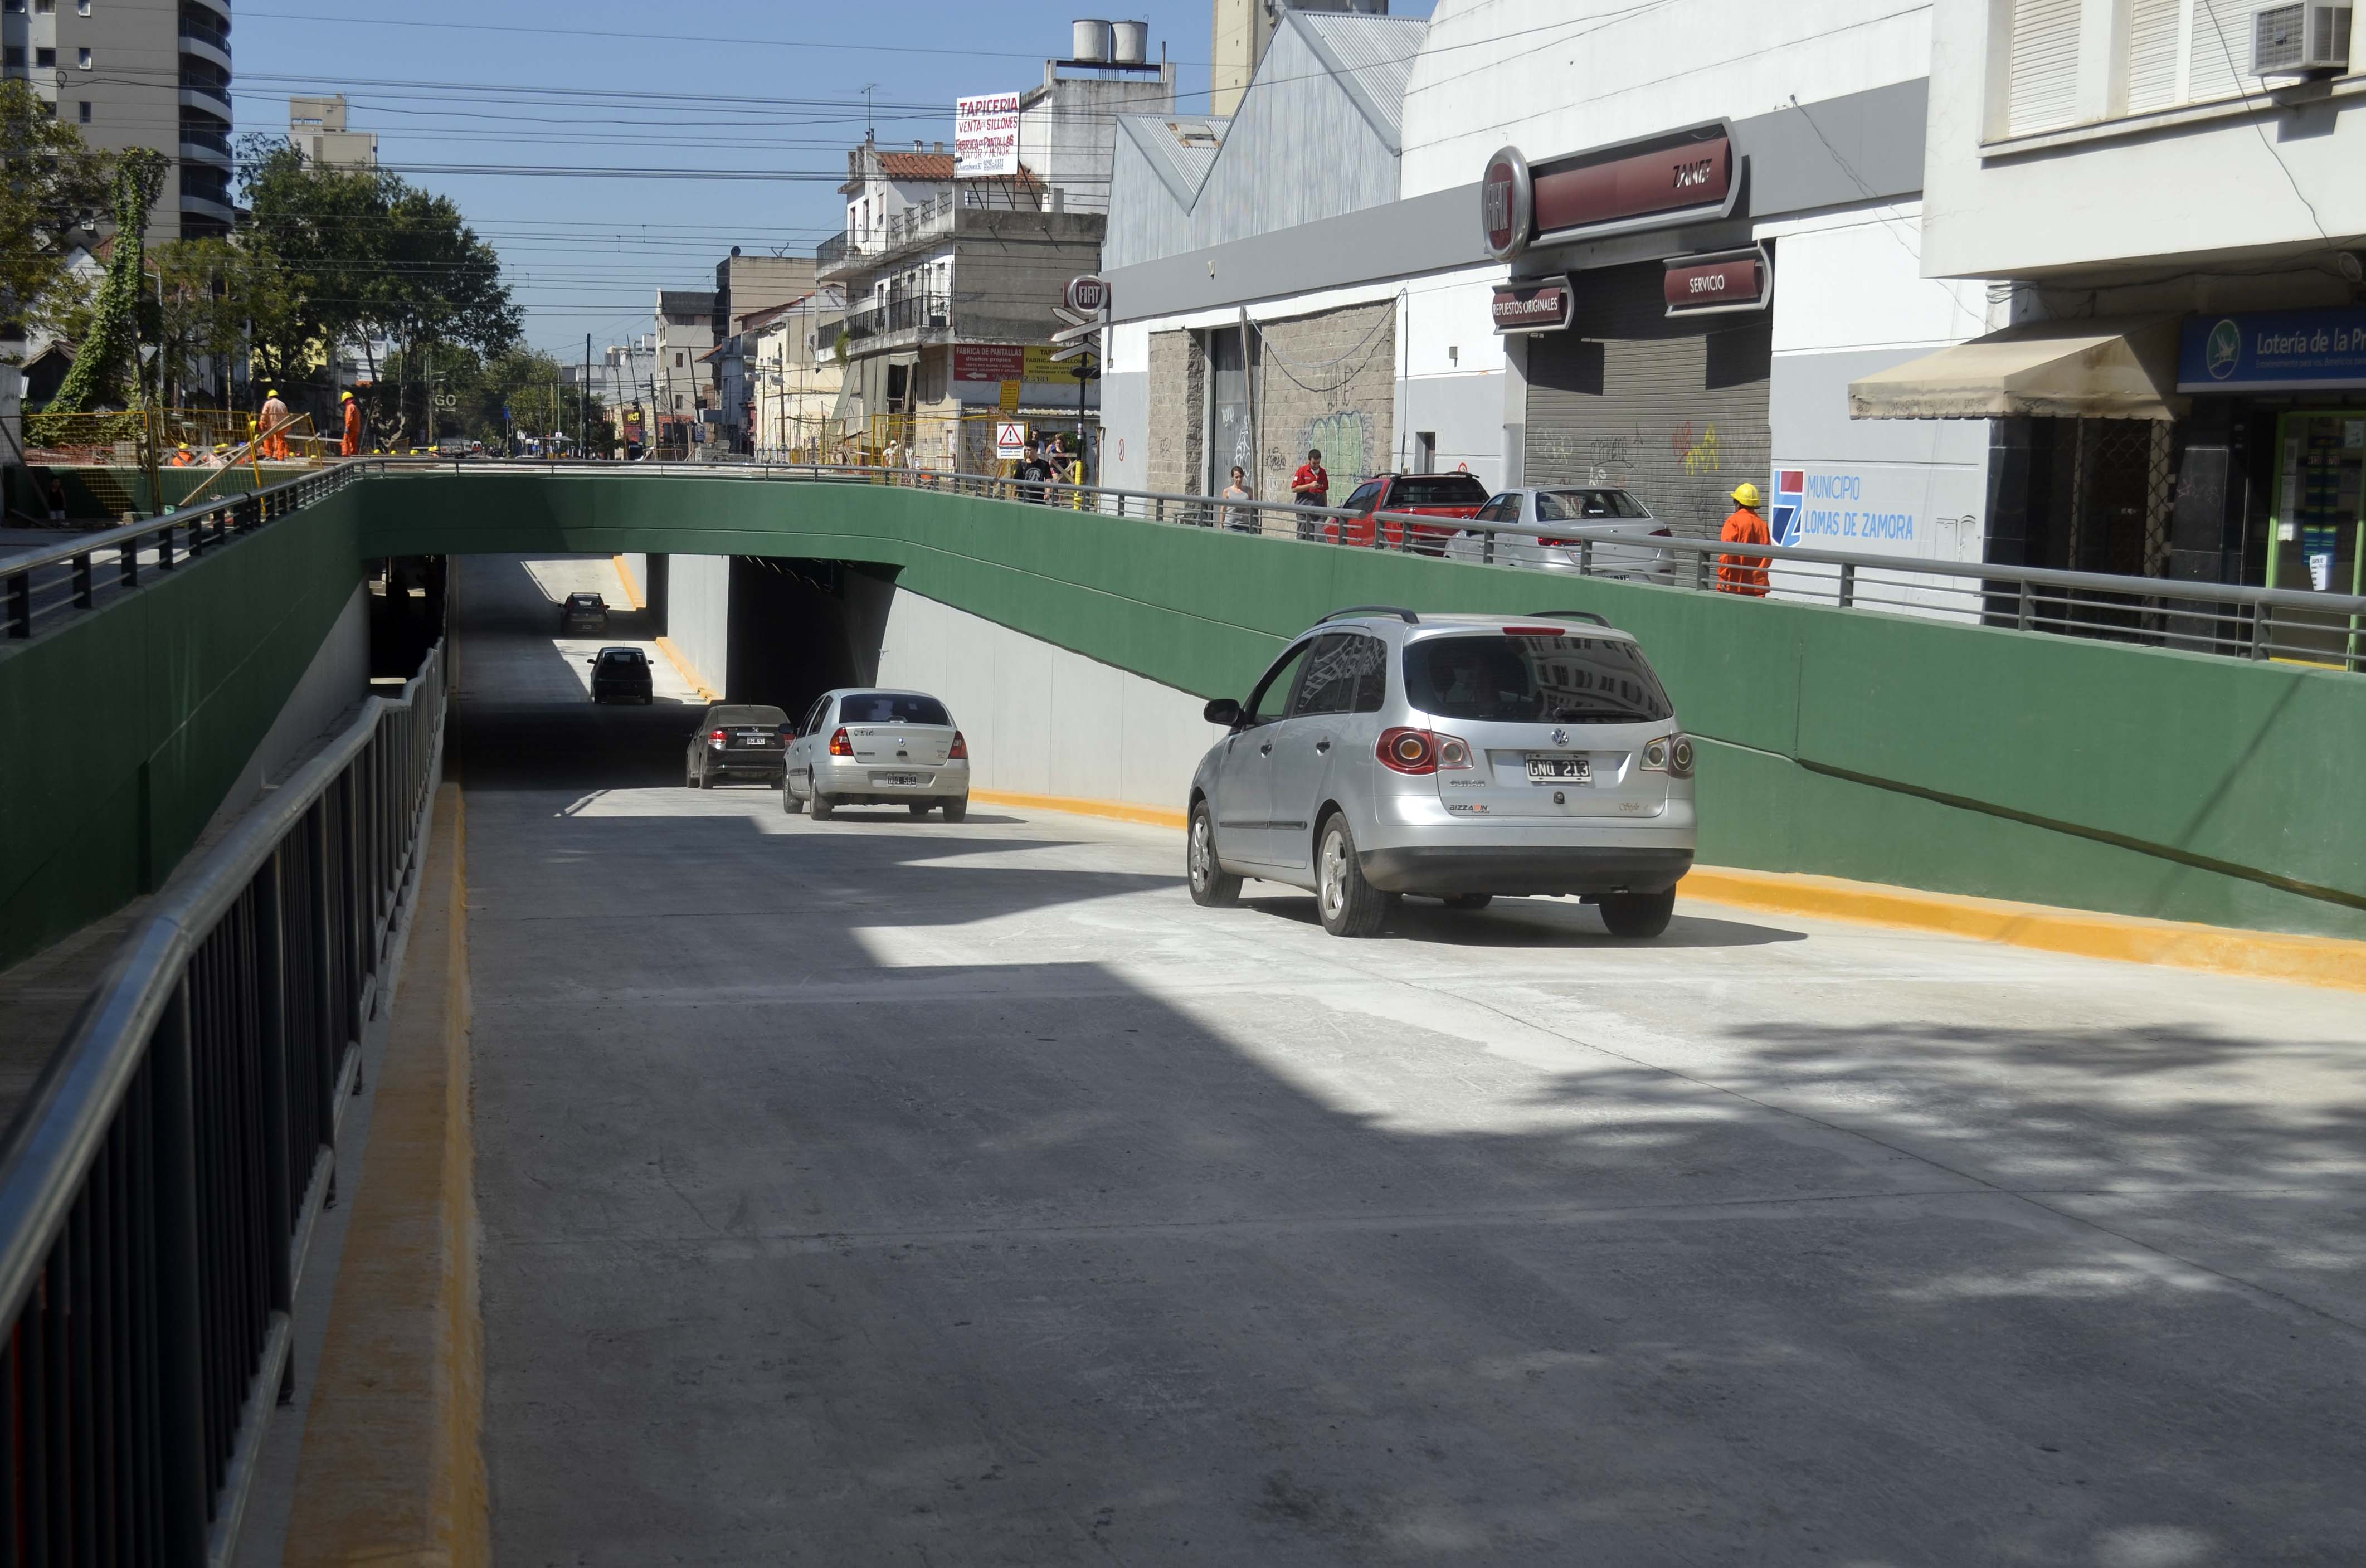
[1429,495]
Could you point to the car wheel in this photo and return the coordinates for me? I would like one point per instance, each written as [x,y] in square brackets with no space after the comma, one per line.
[1470,900]
[704,782]
[824,808]
[1638,914]
[1212,886]
[1349,905]
[689,776]
[789,801]
[919,808]
[956,808]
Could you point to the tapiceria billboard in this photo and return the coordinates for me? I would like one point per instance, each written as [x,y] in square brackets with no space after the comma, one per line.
[985,135]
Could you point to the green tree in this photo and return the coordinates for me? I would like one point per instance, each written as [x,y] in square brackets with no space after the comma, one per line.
[110,350]
[52,191]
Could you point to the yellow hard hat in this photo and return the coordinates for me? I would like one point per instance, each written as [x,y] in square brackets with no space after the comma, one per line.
[346,397]
[185,445]
[1746,494]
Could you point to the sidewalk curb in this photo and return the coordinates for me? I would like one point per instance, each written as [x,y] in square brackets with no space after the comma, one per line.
[2131,938]
[393,1469]
[632,589]
[688,670]
[2327,961]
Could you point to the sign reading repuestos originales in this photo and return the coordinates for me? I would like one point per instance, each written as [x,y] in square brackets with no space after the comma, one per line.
[1538,306]
[1678,178]
[1730,280]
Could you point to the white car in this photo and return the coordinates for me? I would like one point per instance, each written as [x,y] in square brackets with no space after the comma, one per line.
[1528,528]
[865,747]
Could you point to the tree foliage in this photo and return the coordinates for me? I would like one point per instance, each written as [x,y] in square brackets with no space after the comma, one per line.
[52,190]
[516,393]
[110,350]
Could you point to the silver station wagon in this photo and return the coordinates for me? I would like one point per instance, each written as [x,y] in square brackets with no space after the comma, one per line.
[1453,756]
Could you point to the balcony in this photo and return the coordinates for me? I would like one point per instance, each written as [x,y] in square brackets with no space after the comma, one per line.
[926,318]
[201,42]
[829,251]
[930,221]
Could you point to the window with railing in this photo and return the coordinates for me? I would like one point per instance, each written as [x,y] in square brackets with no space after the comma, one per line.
[902,314]
[2067,63]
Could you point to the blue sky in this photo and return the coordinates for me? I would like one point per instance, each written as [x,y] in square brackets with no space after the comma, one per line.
[539,88]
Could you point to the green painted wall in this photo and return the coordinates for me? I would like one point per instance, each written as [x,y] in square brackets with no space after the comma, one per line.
[1892,749]
[1889,749]
[124,728]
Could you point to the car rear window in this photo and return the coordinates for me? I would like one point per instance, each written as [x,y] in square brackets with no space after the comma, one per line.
[745,715]
[620,656]
[586,600]
[1438,490]
[1575,505]
[891,707]
[1488,676]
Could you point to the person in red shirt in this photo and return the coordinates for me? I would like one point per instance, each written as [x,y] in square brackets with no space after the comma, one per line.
[1311,486]
[1740,573]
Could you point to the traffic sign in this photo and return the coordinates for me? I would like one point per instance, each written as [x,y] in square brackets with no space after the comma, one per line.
[1089,294]
[1010,439]
[1075,318]
[1070,335]
[1073,350]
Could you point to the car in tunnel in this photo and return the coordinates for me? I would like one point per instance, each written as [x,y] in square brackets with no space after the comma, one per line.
[1457,757]
[867,746]
[582,613]
[737,740]
[621,675]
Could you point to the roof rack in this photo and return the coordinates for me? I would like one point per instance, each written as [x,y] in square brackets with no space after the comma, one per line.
[1571,615]
[1407,616]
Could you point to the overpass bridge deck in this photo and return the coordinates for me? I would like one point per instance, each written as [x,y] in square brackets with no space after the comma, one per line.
[917,1191]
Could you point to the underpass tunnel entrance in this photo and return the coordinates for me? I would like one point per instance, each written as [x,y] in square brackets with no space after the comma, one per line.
[800,628]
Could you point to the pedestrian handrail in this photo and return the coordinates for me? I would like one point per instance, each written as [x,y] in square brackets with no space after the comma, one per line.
[159,1186]
[2224,618]
[38,585]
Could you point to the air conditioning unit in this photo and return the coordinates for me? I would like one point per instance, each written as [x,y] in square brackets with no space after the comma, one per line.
[2301,40]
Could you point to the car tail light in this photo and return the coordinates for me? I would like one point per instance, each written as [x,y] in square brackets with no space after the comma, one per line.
[1423,751]
[1670,754]
[1533,631]
[1661,533]
[839,746]
[721,737]
[960,753]
[1557,544]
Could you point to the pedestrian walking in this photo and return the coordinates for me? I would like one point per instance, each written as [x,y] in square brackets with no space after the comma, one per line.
[1035,469]
[1239,519]
[350,446]
[1740,573]
[57,498]
[1311,486]
[275,428]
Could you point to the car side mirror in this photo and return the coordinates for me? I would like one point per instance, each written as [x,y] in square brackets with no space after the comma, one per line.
[591,661]
[1224,711]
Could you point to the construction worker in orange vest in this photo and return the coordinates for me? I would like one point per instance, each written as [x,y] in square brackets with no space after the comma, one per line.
[274,433]
[1739,573]
[351,446]
[182,456]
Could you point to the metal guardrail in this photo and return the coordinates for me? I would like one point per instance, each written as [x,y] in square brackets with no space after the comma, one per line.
[2227,619]
[159,1187]
[72,574]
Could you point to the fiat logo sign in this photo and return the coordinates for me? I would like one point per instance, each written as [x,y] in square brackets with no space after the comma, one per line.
[1088,294]
[1506,203]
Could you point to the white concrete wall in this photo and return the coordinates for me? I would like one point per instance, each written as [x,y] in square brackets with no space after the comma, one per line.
[2214,178]
[332,686]
[1551,77]
[1042,720]
[698,615]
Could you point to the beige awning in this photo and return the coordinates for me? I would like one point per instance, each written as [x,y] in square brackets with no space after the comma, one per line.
[2094,370]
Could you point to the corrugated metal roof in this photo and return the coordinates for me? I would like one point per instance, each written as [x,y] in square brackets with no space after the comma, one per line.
[1181,152]
[1373,57]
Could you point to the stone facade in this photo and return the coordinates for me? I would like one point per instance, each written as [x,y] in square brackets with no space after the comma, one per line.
[1327,380]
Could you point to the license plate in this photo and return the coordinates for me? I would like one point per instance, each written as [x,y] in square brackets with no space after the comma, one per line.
[755,740]
[1560,770]
[900,778]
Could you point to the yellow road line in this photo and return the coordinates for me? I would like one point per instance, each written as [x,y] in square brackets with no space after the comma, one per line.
[632,589]
[2267,955]
[393,1468]
[1115,810]
[688,670]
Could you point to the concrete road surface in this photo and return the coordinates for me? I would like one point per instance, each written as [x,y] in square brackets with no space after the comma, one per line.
[878,1193]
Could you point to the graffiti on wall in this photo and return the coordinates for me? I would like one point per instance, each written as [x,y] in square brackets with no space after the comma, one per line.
[1345,440]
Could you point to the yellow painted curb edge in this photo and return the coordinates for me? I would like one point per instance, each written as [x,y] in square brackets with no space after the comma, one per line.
[688,670]
[2267,955]
[392,1470]
[1115,810]
[632,589]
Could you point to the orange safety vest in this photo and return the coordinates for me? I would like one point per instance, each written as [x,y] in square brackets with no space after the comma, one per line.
[1743,574]
[351,444]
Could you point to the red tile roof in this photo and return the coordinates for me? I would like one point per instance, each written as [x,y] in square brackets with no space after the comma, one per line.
[917,165]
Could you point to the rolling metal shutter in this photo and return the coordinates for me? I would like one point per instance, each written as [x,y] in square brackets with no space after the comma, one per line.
[1674,411]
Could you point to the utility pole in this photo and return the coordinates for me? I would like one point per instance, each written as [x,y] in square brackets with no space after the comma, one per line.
[583,404]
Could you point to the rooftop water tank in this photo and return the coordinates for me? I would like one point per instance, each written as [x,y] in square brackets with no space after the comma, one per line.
[1130,42]
[1090,39]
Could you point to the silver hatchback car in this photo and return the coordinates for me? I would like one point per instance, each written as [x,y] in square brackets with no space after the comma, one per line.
[866,747]
[1533,527]
[1455,756]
